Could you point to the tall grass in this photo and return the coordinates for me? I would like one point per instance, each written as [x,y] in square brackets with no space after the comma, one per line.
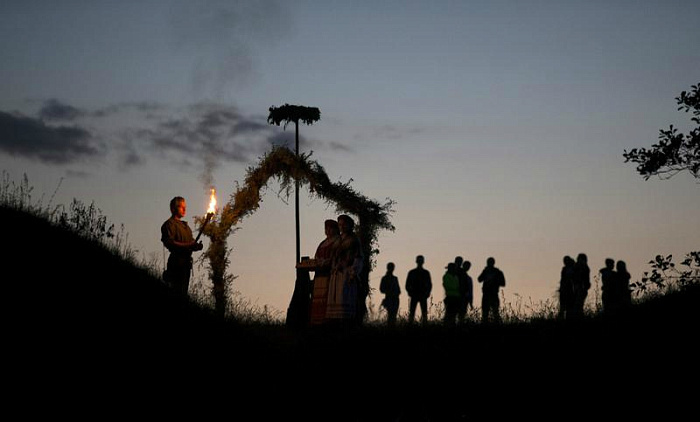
[85,220]
[19,196]
[238,307]
[517,311]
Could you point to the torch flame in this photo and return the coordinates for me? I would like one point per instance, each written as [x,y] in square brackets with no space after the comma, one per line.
[212,202]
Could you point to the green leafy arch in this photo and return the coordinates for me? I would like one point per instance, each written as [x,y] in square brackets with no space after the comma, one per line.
[285,166]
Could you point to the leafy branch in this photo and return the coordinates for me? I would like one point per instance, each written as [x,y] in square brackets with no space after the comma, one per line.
[675,152]
[293,113]
[665,273]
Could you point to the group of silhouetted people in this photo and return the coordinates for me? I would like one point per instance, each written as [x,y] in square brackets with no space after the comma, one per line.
[616,286]
[459,291]
[575,282]
[418,286]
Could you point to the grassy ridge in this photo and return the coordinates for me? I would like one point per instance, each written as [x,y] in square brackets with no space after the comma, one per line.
[76,310]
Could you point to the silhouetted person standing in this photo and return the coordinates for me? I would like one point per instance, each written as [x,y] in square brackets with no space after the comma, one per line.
[492,279]
[582,282]
[609,281]
[566,288]
[390,287]
[453,297]
[623,284]
[467,293]
[177,237]
[418,286]
[462,277]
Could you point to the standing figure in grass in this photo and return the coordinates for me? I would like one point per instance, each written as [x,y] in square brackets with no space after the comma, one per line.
[177,237]
[453,297]
[466,291]
[492,279]
[390,287]
[582,282]
[608,279]
[418,286]
[566,288]
[323,258]
[345,274]
[623,285]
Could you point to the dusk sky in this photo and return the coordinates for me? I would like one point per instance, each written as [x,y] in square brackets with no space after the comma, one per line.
[498,127]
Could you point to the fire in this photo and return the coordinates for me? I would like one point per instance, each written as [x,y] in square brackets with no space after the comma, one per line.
[212,202]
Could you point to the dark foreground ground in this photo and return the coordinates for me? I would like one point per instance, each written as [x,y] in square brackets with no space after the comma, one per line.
[88,336]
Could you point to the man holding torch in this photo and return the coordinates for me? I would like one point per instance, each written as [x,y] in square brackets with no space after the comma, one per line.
[177,237]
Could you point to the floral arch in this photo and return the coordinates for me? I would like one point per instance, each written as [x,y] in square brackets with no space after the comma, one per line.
[285,166]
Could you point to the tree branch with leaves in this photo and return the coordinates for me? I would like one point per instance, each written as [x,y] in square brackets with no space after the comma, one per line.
[666,274]
[676,152]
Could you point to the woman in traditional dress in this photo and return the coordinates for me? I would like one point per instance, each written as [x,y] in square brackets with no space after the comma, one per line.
[345,273]
[323,258]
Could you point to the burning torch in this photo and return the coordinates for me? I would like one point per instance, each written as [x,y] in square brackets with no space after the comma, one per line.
[210,213]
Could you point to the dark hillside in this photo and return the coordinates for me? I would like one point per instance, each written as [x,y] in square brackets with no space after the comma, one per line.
[72,298]
[76,312]
[85,330]
[65,286]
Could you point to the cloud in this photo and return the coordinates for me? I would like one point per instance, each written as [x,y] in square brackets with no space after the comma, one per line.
[205,134]
[32,138]
[207,129]
[209,135]
[149,109]
[56,110]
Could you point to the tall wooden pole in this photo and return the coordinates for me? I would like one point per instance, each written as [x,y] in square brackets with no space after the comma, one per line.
[296,198]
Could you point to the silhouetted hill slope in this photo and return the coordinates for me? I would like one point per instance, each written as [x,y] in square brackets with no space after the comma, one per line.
[83,329]
[75,311]
[64,284]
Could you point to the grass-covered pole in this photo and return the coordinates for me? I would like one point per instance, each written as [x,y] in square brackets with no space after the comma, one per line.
[294,113]
[217,229]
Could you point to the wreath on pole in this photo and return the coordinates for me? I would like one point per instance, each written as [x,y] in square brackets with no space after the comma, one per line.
[288,168]
[294,113]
